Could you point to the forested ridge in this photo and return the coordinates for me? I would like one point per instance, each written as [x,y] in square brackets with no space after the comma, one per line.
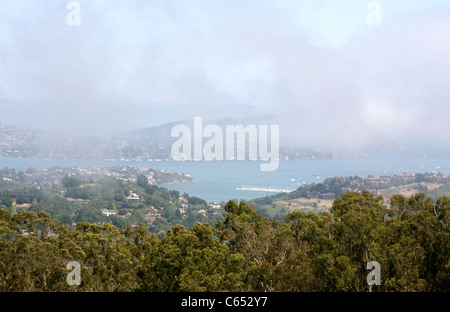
[244,252]
[72,196]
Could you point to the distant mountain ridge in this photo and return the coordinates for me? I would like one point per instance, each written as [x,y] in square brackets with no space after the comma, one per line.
[144,144]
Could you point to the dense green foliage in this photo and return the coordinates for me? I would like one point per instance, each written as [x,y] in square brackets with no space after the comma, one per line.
[78,200]
[244,252]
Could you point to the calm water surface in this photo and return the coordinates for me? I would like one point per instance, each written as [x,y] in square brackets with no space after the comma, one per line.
[216,181]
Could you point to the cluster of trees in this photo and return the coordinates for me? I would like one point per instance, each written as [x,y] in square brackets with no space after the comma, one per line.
[107,193]
[243,252]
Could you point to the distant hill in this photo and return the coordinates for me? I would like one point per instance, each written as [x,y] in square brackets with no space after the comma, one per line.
[152,143]
[20,142]
[318,197]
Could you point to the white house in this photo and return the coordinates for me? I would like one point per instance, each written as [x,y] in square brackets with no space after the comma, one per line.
[133,197]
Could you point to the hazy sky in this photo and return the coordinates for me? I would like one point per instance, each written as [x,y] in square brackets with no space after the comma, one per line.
[318,68]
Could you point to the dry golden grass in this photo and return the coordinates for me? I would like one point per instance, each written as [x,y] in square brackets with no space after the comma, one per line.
[312,204]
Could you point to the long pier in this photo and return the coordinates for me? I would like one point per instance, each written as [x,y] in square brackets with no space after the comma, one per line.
[263,189]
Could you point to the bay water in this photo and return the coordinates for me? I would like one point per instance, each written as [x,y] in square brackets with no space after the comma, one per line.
[217,181]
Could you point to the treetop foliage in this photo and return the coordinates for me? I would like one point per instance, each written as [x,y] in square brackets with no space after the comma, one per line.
[244,252]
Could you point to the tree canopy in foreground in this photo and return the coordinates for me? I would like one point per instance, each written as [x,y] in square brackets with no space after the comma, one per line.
[245,252]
